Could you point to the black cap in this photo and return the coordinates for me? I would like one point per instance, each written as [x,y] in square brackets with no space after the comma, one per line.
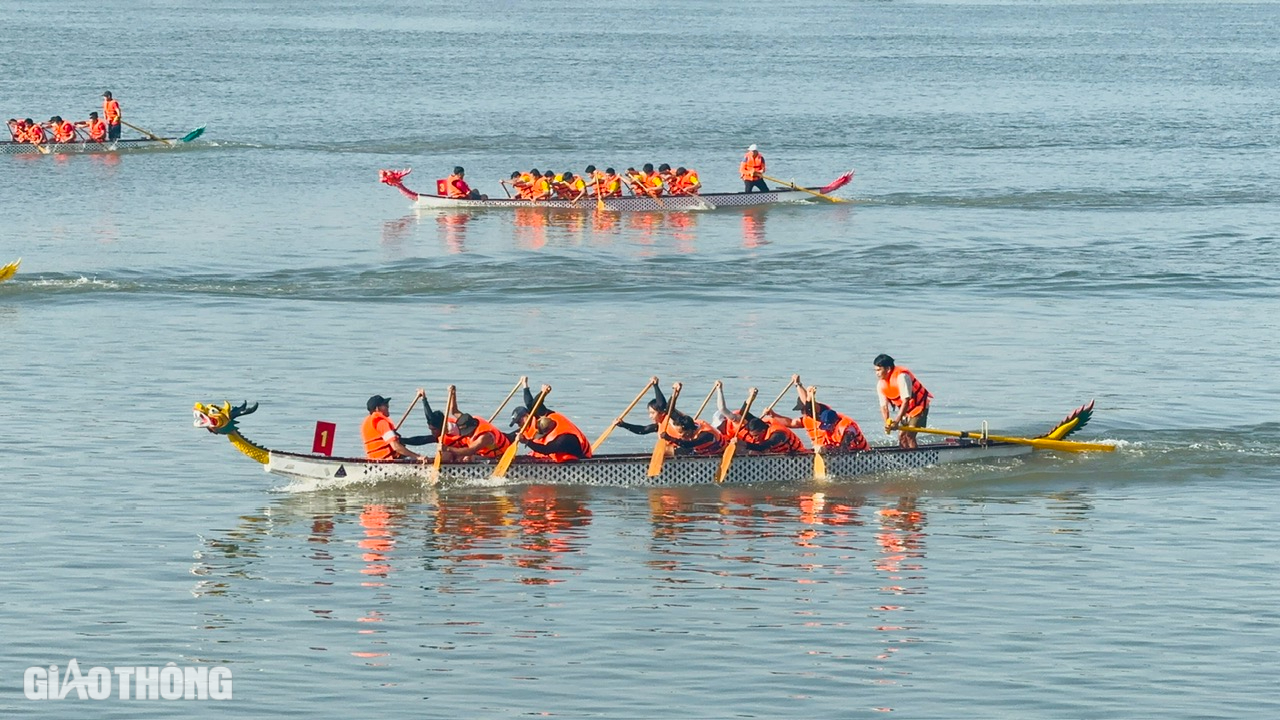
[517,415]
[377,401]
[435,419]
[465,421]
[106,94]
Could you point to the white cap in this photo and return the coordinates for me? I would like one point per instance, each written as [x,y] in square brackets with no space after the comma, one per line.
[753,147]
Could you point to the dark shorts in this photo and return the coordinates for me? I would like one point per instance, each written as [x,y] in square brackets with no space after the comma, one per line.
[921,420]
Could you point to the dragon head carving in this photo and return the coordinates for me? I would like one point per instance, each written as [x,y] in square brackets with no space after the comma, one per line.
[220,420]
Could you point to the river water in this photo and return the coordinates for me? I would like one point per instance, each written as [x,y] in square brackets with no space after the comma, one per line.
[1053,201]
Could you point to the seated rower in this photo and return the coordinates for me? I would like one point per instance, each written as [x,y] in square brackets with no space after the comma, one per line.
[96,129]
[593,178]
[612,186]
[657,413]
[35,133]
[474,437]
[381,439]
[18,130]
[63,131]
[668,177]
[771,437]
[686,182]
[540,188]
[839,433]
[650,182]
[693,437]
[572,187]
[551,435]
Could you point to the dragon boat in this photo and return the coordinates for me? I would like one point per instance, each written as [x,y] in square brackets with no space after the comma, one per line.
[9,147]
[705,201]
[321,471]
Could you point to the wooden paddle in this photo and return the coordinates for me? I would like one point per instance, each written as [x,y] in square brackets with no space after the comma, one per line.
[727,458]
[600,440]
[510,455]
[660,447]
[148,133]
[1042,443]
[775,400]
[8,271]
[647,191]
[449,404]
[519,383]
[409,409]
[793,186]
[819,463]
[706,400]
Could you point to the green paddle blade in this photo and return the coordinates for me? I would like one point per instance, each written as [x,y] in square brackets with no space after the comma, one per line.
[193,134]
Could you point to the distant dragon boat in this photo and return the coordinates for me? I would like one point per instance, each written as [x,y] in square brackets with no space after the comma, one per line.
[322,471]
[9,147]
[789,193]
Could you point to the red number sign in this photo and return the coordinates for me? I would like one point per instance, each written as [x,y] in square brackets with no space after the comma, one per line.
[323,444]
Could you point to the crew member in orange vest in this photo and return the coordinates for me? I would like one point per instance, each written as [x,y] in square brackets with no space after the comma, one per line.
[457,187]
[111,113]
[694,437]
[95,127]
[752,171]
[686,182]
[902,395]
[476,437]
[768,436]
[18,130]
[552,435]
[612,184]
[35,133]
[381,441]
[63,131]
[840,433]
[540,188]
[649,181]
[572,187]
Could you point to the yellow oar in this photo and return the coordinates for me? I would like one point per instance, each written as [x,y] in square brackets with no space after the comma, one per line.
[660,447]
[510,455]
[146,132]
[600,440]
[775,400]
[706,400]
[727,458]
[793,186]
[819,463]
[494,417]
[1042,443]
[8,271]
[444,422]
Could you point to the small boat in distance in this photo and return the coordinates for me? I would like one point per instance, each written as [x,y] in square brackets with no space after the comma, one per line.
[9,147]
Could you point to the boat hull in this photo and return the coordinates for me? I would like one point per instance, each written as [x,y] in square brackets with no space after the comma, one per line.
[9,147]
[632,470]
[707,201]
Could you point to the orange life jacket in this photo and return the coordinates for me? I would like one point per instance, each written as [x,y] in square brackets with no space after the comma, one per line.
[711,447]
[111,111]
[451,187]
[612,186]
[64,132]
[97,130]
[752,167]
[541,186]
[36,134]
[919,399]
[563,426]
[831,439]
[686,184]
[792,443]
[374,434]
[501,441]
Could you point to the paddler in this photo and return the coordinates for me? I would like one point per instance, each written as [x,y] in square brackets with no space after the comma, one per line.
[648,181]
[381,440]
[63,131]
[474,437]
[551,436]
[111,114]
[768,437]
[685,182]
[752,171]
[693,437]
[540,188]
[657,413]
[18,130]
[612,184]
[904,401]
[94,126]
[573,187]
[457,186]
[830,430]
[35,133]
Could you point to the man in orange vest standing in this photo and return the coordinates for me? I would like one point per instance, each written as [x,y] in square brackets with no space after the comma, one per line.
[111,113]
[752,171]
[902,395]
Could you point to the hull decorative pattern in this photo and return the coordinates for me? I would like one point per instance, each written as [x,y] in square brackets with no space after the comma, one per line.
[709,201]
[631,470]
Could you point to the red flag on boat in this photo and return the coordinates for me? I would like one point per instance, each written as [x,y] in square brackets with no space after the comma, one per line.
[835,184]
[323,443]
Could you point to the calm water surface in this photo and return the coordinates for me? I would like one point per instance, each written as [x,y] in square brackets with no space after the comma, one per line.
[1052,202]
